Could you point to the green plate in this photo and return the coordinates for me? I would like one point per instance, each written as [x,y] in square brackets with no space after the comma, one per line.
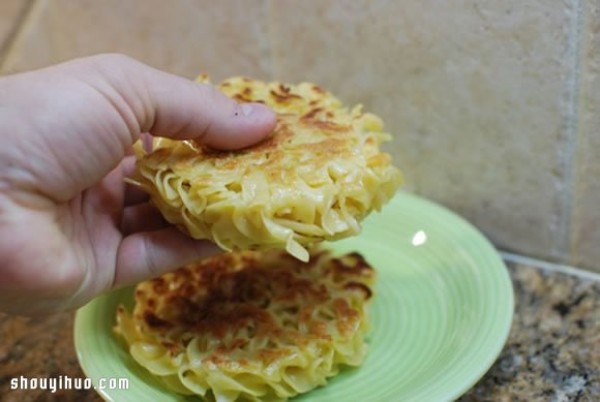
[441,315]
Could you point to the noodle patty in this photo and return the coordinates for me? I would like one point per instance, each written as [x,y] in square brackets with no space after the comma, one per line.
[315,178]
[260,326]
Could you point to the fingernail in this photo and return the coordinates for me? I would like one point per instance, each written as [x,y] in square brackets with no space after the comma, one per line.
[246,109]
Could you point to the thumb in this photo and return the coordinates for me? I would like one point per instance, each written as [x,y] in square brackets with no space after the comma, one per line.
[167,105]
[90,111]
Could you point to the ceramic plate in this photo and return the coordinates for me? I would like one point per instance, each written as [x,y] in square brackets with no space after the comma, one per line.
[441,315]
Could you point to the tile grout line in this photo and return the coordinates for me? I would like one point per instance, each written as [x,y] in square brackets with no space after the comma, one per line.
[579,158]
[573,91]
[549,266]
[29,15]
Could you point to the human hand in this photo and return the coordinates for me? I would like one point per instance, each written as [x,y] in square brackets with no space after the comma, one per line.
[70,228]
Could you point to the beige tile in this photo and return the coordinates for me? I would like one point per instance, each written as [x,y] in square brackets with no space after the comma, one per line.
[476,93]
[184,37]
[585,234]
[11,12]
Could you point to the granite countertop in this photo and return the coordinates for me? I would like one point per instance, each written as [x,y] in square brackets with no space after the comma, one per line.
[553,353]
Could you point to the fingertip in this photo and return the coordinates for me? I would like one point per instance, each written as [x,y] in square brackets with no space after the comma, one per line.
[257,111]
[261,118]
[265,117]
[249,124]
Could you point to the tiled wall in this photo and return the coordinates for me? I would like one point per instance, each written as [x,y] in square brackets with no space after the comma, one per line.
[495,105]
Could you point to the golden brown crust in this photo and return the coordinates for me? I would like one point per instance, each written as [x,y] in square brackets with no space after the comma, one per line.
[277,156]
[224,295]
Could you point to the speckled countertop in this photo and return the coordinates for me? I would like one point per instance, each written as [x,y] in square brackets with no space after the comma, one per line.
[553,353]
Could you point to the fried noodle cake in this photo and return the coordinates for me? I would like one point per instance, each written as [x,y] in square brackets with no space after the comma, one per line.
[315,178]
[251,325]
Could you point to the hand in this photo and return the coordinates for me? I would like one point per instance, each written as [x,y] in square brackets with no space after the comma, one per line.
[70,228]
